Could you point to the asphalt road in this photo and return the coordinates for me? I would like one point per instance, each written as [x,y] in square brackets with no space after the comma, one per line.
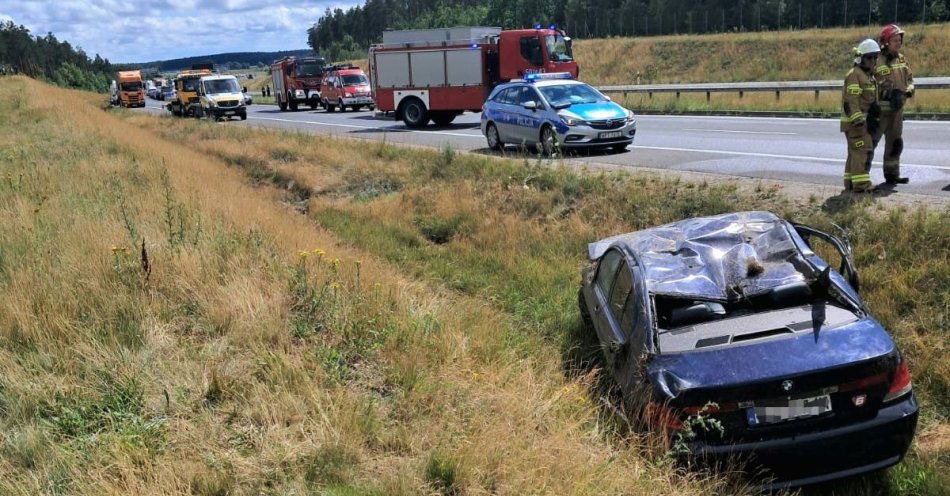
[809,151]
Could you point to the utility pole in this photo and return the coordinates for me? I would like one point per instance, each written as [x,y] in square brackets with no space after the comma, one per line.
[923,17]
[896,2]
[845,13]
[869,12]
[723,12]
[799,16]
[821,15]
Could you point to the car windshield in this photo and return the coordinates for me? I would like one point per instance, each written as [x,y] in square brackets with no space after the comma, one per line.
[354,79]
[190,84]
[215,86]
[133,86]
[561,95]
[309,69]
[559,48]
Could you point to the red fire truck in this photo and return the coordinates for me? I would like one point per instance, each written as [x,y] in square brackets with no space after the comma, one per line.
[439,73]
[297,81]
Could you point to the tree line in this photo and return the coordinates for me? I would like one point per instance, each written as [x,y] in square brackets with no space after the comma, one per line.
[341,34]
[45,57]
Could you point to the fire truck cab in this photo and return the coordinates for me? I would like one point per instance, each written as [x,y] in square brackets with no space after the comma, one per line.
[345,86]
[297,81]
[436,74]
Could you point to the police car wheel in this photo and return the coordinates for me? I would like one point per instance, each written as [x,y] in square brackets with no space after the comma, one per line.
[494,139]
[548,141]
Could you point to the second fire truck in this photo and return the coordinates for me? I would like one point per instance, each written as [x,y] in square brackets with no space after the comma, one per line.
[297,81]
[436,74]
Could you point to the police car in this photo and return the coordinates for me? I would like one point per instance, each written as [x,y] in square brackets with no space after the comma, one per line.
[552,111]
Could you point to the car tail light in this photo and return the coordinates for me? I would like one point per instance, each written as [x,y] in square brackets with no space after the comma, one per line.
[660,415]
[901,384]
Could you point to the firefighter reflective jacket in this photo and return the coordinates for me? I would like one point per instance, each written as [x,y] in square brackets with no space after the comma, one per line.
[892,73]
[858,94]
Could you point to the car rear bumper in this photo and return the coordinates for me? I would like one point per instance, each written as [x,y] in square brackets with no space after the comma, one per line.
[826,455]
[228,111]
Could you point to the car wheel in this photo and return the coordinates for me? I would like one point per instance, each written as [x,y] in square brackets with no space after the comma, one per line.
[372,108]
[244,117]
[548,143]
[494,139]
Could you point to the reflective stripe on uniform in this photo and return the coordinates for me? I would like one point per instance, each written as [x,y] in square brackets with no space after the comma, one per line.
[883,70]
[870,87]
[858,144]
[854,89]
[860,178]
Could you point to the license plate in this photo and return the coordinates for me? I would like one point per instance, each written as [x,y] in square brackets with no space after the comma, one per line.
[230,112]
[782,410]
[612,134]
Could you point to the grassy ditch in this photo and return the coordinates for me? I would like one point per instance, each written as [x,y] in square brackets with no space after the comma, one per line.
[171,324]
[514,233]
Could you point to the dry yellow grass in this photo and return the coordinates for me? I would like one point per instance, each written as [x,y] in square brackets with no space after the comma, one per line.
[259,355]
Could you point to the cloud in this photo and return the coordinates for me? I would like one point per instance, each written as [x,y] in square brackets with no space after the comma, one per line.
[143,31]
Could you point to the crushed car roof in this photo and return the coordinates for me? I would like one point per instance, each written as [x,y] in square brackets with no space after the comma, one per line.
[724,257]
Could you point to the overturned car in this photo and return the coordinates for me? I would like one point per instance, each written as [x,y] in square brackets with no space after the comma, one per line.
[736,318]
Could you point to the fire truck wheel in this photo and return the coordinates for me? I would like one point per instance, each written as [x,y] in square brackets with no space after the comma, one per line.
[443,118]
[293,105]
[494,139]
[281,104]
[414,113]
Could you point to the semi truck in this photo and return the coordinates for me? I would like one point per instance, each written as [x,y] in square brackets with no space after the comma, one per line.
[297,81]
[436,74]
[129,90]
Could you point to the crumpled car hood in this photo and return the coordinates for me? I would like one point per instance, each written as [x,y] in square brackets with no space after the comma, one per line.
[709,257]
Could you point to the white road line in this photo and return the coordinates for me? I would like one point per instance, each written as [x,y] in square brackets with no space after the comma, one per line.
[737,132]
[662,148]
[376,128]
[776,155]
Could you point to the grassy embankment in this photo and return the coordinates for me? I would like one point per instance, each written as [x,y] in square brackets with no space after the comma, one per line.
[253,353]
[286,372]
[772,56]
[514,234]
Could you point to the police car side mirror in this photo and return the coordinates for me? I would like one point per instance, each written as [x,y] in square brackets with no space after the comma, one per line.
[608,98]
[531,105]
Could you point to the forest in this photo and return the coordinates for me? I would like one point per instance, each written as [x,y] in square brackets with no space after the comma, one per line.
[46,57]
[341,34]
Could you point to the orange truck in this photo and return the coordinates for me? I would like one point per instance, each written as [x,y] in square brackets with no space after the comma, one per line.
[130,91]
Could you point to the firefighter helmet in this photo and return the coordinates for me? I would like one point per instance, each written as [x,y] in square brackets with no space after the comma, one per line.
[866,47]
[889,32]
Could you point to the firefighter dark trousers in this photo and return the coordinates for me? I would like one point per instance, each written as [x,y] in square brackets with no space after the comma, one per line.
[892,129]
[857,169]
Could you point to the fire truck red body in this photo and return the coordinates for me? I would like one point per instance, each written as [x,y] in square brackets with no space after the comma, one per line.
[297,81]
[439,73]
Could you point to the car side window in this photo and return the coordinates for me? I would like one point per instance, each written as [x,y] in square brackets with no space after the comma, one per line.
[620,292]
[500,96]
[511,96]
[608,270]
[527,94]
[531,49]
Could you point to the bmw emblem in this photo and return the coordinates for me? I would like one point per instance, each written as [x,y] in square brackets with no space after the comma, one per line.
[787,385]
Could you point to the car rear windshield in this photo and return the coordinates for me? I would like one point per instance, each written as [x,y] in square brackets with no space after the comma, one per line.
[215,86]
[354,79]
[571,94]
[133,86]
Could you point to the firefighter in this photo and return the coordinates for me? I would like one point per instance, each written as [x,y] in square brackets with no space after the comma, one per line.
[895,85]
[858,118]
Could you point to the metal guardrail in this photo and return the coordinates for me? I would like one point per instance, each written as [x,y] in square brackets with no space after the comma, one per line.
[923,83]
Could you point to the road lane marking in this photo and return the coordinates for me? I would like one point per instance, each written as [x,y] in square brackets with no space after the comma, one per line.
[776,155]
[376,128]
[735,131]
[660,148]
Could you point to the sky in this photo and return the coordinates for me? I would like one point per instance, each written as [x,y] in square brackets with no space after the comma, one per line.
[147,30]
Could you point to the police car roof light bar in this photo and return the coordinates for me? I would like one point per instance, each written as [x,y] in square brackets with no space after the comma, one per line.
[540,76]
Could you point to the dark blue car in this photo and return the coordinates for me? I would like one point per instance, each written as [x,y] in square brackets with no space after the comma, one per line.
[735,318]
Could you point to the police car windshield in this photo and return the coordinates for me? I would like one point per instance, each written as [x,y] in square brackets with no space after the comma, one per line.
[559,48]
[354,79]
[309,70]
[215,86]
[561,95]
